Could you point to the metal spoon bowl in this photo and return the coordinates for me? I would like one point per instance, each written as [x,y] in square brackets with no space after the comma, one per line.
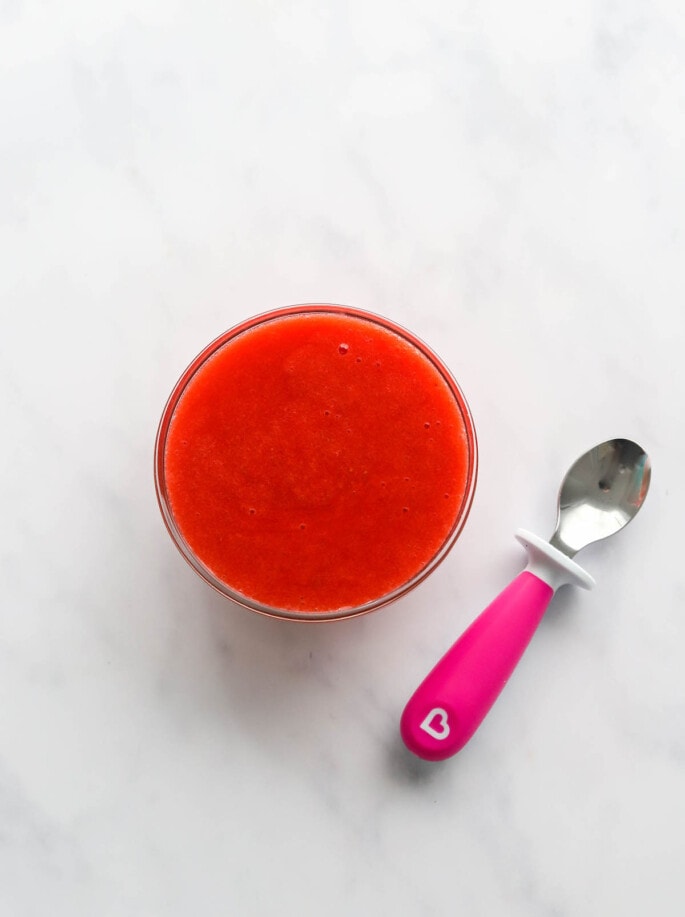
[601,493]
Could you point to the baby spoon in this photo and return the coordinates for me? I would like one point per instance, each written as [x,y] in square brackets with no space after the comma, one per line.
[600,494]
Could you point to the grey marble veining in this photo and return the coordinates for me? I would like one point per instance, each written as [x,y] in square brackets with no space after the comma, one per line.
[506,181]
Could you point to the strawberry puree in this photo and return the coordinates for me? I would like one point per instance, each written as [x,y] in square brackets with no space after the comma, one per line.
[317,461]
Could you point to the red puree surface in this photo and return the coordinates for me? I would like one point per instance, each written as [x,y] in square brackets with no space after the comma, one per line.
[316,462]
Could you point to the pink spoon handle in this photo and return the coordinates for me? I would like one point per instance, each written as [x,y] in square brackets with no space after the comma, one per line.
[451,702]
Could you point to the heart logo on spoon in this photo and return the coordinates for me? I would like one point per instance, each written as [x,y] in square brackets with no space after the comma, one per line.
[444,726]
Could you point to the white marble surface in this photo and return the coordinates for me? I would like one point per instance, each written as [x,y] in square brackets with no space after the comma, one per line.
[507,181]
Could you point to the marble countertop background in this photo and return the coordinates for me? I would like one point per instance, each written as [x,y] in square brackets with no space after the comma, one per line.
[507,181]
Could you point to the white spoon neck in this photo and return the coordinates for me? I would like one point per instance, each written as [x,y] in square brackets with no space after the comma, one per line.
[552,565]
